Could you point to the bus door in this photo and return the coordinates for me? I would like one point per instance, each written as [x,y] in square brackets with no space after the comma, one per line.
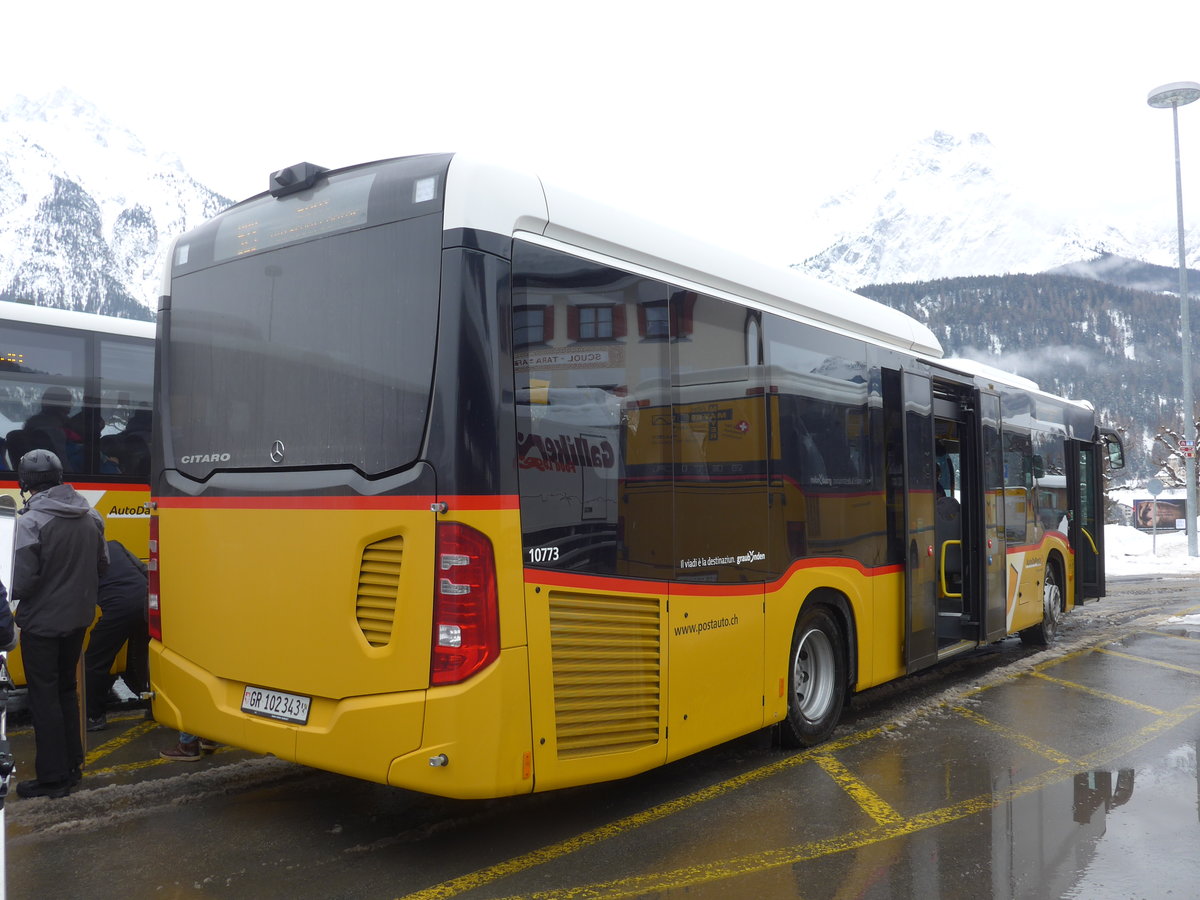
[994,551]
[1085,503]
[967,489]
[920,606]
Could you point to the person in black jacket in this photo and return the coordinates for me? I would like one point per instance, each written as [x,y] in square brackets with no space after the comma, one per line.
[122,618]
[58,559]
[8,628]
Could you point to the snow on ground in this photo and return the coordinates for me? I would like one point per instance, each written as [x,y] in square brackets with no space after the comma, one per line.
[1128,551]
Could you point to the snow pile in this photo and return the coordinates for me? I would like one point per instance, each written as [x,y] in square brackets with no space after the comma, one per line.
[1128,551]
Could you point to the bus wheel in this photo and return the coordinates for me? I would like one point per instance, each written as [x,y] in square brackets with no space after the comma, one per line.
[1044,633]
[816,679]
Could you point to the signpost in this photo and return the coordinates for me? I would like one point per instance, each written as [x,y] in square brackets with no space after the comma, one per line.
[1155,487]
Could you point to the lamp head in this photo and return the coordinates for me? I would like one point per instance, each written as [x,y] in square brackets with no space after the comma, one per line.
[1177,93]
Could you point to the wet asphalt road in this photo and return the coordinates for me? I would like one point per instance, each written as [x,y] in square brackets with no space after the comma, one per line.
[1070,772]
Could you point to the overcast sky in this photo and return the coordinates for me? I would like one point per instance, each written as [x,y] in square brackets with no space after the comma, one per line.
[732,120]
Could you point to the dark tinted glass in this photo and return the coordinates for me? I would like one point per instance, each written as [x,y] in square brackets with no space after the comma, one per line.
[326,347]
[126,388]
[593,420]
[1050,481]
[721,443]
[831,454]
[75,394]
[1020,524]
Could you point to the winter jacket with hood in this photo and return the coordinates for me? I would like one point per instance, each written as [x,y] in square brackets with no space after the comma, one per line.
[59,556]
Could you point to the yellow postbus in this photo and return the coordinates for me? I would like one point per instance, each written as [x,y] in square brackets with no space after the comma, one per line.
[470,485]
[80,385]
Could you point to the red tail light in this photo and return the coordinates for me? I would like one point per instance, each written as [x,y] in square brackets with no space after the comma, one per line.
[153,615]
[466,623]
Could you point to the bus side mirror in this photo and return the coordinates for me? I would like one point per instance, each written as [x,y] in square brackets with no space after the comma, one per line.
[1039,467]
[1115,449]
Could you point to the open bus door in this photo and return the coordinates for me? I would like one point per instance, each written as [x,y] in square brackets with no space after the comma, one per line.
[994,549]
[954,503]
[1085,500]
[920,582]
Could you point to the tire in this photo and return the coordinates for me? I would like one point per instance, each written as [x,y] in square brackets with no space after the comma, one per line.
[1044,633]
[816,679]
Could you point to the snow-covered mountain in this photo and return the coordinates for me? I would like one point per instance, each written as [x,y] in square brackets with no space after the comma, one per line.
[87,214]
[951,207]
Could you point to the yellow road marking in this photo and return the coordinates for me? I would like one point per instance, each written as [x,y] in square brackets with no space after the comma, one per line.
[754,863]
[854,840]
[1169,636]
[872,804]
[637,820]
[119,741]
[1103,695]
[1016,737]
[979,689]
[1154,662]
[1067,657]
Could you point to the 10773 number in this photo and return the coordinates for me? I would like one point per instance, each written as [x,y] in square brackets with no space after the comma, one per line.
[542,554]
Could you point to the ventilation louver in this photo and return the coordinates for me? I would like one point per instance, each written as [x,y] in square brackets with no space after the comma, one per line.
[607,670]
[379,589]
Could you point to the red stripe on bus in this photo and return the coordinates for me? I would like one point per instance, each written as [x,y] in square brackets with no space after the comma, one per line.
[499,502]
[88,486]
[1041,545]
[691,588]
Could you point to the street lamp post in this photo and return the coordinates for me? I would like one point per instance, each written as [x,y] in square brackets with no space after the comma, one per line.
[1175,95]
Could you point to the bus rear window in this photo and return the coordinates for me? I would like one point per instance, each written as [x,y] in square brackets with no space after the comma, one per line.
[317,354]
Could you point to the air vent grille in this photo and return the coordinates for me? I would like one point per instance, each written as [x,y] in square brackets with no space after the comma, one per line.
[379,589]
[607,668]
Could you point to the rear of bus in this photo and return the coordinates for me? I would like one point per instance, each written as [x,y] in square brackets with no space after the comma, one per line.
[338,576]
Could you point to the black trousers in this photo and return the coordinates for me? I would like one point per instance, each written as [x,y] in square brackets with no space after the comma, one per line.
[105,643]
[50,664]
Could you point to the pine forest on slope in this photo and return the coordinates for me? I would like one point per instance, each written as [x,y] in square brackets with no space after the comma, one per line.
[1114,346]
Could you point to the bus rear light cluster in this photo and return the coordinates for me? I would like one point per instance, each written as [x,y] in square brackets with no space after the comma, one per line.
[153,613]
[466,622]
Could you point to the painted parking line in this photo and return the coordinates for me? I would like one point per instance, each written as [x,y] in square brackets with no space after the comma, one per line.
[564,848]
[1016,737]
[1102,695]
[121,740]
[755,863]
[1153,662]
[872,804]
[889,823]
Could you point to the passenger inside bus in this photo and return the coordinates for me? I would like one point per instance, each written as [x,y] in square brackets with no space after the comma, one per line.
[51,428]
[128,452]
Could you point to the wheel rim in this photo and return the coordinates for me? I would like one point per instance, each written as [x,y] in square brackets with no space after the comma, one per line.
[1051,605]
[813,674]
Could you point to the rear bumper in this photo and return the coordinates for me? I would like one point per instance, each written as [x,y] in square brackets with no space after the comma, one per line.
[481,727]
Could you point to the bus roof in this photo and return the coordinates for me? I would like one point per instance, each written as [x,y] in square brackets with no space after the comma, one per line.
[982,372]
[494,198]
[67,318]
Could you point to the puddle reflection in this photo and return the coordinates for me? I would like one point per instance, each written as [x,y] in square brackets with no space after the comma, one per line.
[1094,836]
